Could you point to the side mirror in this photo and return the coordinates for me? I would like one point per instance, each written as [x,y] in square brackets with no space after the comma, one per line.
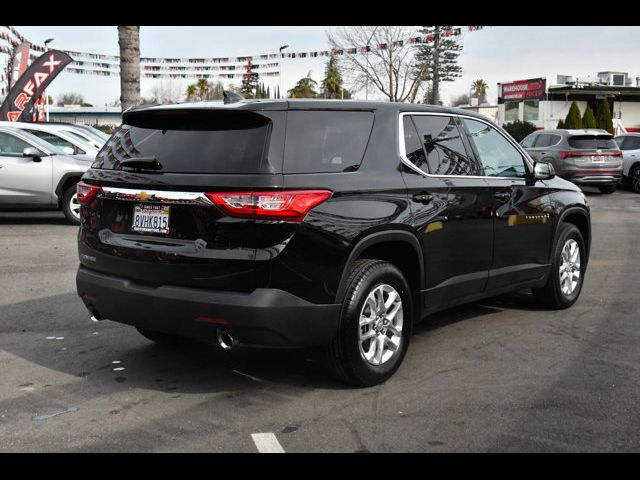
[32,152]
[68,150]
[543,171]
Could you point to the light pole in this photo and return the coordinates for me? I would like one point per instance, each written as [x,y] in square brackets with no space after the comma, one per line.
[46,94]
[281,62]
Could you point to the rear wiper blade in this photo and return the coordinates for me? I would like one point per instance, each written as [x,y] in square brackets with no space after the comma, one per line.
[144,163]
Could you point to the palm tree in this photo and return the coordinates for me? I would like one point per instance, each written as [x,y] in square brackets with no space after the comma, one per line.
[129,42]
[203,88]
[479,89]
[191,91]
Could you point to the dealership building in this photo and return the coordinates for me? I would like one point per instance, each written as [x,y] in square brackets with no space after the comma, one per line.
[543,105]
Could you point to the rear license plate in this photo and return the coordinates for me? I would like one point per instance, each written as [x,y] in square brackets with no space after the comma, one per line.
[597,158]
[150,218]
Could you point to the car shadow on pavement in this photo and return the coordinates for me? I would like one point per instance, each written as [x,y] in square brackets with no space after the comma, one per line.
[33,218]
[56,333]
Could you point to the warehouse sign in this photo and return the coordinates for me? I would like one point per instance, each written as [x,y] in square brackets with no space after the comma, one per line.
[532,89]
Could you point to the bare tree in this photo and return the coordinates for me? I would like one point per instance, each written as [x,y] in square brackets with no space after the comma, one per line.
[72,98]
[460,100]
[389,63]
[129,41]
[167,91]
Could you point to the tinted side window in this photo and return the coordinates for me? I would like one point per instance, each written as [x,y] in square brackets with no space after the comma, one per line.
[442,142]
[621,142]
[529,141]
[413,145]
[498,157]
[325,141]
[544,140]
[632,143]
[11,146]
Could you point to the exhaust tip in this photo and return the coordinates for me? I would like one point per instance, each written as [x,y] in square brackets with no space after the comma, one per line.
[225,340]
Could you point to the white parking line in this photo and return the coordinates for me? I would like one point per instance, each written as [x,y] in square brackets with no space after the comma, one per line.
[267,443]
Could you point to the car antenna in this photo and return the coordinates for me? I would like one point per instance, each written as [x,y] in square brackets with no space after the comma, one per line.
[231,97]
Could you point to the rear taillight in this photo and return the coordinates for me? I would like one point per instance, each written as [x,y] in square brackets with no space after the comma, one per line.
[87,192]
[288,205]
[564,155]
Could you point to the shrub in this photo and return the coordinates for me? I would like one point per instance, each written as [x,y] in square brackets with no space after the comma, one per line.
[603,117]
[588,119]
[574,119]
[518,130]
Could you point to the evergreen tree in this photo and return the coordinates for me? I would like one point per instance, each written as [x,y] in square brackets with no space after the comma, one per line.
[305,88]
[560,124]
[331,85]
[436,62]
[603,117]
[249,82]
[269,91]
[278,94]
[588,119]
[574,119]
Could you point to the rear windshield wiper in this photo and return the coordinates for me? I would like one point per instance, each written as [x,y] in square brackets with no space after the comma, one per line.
[142,163]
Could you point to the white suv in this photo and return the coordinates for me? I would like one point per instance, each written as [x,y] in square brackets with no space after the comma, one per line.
[629,143]
[37,175]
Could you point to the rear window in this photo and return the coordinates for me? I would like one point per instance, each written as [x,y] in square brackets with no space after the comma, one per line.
[592,142]
[207,142]
[325,141]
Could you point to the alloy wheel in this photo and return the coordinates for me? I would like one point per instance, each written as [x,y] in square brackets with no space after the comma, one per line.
[569,267]
[381,321]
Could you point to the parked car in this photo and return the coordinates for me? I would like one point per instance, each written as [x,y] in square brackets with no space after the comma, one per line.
[59,136]
[99,135]
[629,144]
[88,134]
[37,175]
[320,223]
[588,157]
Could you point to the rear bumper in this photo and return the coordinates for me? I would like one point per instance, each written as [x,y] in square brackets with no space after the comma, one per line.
[594,176]
[265,317]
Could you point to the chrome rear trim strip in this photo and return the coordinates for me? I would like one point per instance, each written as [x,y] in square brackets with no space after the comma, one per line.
[157,196]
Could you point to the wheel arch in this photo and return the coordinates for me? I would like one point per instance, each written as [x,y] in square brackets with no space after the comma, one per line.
[579,217]
[384,246]
[65,182]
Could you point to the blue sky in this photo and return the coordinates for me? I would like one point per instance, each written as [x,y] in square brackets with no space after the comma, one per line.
[495,54]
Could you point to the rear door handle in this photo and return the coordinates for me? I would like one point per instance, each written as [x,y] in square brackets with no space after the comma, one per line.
[502,196]
[423,198]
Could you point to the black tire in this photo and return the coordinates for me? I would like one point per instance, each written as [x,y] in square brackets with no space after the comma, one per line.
[634,178]
[551,295]
[343,354]
[66,205]
[607,189]
[164,339]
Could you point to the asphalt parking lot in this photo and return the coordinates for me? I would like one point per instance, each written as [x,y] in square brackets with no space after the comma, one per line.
[500,375]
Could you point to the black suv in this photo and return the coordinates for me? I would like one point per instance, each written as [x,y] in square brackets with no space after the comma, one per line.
[335,224]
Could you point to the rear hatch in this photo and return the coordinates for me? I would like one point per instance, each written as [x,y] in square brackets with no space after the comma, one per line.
[148,213]
[593,152]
